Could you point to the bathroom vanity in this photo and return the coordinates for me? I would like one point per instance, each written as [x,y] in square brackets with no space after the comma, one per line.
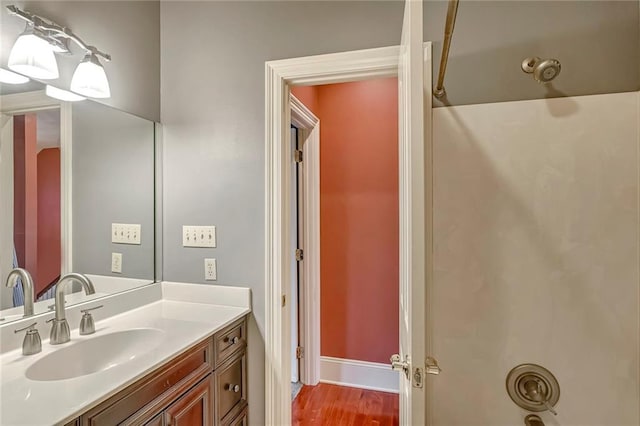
[205,385]
[167,354]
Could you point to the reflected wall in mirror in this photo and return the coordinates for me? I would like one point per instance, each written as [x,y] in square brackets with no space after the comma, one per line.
[113,182]
[68,171]
[36,197]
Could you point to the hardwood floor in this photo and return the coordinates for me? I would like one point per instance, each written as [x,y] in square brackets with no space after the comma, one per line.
[326,404]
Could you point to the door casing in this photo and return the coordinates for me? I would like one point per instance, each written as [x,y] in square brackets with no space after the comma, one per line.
[280,75]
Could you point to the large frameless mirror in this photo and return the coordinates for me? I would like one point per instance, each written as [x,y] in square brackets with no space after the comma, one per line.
[77,185]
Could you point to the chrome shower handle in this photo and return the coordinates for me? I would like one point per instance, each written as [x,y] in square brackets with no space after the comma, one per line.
[535,391]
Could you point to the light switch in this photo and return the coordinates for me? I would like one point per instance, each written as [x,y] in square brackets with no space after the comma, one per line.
[116,263]
[199,236]
[125,233]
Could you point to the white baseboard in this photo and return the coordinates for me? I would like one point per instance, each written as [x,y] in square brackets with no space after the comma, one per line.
[359,374]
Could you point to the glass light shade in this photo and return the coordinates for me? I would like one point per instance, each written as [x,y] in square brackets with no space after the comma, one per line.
[33,56]
[63,95]
[10,77]
[90,79]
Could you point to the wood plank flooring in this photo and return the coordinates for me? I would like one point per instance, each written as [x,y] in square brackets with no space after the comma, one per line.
[326,404]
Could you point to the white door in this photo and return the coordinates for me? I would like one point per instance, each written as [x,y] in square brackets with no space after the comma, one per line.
[414,87]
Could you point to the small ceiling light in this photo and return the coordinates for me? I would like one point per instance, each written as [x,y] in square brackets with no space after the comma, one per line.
[90,79]
[10,77]
[33,56]
[63,95]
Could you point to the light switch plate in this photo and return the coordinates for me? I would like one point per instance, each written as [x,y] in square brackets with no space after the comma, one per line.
[210,270]
[116,263]
[125,233]
[199,236]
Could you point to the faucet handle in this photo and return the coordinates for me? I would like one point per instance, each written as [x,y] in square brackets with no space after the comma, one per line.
[32,344]
[86,311]
[87,325]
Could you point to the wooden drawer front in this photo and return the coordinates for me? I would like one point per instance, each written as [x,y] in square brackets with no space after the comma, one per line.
[195,408]
[231,388]
[155,391]
[229,341]
[241,420]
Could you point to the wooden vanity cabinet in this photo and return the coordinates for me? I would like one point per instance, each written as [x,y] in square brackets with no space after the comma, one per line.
[205,385]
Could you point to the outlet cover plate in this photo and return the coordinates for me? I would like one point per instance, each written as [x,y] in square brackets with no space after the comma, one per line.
[116,263]
[210,270]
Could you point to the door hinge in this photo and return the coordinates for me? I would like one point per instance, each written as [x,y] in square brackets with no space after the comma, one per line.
[297,156]
[299,255]
[431,365]
[299,352]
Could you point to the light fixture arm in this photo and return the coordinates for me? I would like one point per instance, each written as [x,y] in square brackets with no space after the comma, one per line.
[59,34]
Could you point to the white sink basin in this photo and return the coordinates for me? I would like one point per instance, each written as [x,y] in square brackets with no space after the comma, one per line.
[96,354]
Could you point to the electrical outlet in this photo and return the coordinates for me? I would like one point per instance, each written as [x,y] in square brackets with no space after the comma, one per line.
[210,270]
[199,236]
[125,233]
[116,263]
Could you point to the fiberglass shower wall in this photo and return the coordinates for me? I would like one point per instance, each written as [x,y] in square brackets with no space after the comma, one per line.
[536,257]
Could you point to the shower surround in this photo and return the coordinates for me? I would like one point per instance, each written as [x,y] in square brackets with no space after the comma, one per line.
[536,258]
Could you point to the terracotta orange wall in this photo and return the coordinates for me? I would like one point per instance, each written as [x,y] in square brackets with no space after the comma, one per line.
[49,259]
[308,95]
[359,219]
[25,213]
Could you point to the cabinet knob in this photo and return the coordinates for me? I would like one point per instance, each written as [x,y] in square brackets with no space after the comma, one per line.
[233,340]
[232,388]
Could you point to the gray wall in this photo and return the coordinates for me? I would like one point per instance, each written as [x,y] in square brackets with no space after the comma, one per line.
[213,127]
[596,42]
[128,30]
[113,182]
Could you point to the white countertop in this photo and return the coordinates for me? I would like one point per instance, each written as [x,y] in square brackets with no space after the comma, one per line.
[183,323]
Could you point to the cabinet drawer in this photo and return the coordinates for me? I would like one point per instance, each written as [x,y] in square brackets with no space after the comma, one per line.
[229,341]
[231,388]
[155,391]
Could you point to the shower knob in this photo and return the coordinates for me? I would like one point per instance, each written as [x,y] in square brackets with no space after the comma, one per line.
[533,388]
[543,70]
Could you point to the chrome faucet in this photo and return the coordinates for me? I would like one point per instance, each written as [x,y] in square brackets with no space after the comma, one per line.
[27,287]
[60,332]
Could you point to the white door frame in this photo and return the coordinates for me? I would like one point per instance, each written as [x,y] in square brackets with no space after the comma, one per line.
[22,103]
[309,309]
[314,70]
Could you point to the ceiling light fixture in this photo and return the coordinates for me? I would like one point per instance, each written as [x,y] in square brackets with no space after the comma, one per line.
[33,55]
[63,95]
[10,77]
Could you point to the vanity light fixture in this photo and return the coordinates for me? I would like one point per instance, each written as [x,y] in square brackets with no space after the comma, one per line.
[63,95]
[33,55]
[10,77]
[90,79]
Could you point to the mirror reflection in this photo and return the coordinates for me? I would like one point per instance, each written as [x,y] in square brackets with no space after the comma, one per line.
[74,199]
